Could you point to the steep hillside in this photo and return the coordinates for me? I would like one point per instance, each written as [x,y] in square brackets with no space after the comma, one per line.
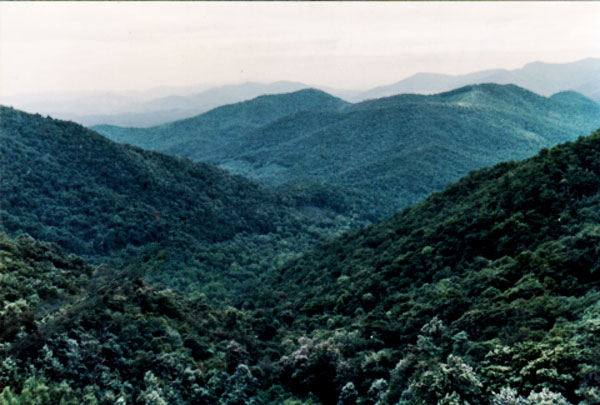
[72,333]
[66,184]
[492,283]
[539,77]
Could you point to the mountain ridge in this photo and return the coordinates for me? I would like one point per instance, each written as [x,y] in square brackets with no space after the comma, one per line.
[251,113]
[66,184]
[165,104]
[540,77]
[141,109]
[485,293]
[472,127]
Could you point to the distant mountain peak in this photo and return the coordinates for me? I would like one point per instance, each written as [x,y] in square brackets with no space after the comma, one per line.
[571,95]
[311,91]
[540,77]
[494,89]
[480,95]
[538,63]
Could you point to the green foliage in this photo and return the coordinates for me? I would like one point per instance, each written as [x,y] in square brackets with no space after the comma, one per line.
[348,395]
[485,293]
[203,134]
[192,226]
[500,268]
[128,342]
[315,366]
[37,391]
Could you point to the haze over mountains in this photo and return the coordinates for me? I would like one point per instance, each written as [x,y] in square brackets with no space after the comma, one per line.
[543,78]
[384,252]
[144,108]
[165,104]
[401,148]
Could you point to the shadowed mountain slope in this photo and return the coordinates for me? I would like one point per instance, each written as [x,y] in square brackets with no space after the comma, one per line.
[66,184]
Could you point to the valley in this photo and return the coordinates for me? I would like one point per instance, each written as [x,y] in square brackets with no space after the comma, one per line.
[485,291]
[300,249]
[299,203]
[119,204]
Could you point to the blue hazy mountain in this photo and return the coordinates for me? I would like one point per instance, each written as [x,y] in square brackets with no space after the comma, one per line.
[398,149]
[543,78]
[144,109]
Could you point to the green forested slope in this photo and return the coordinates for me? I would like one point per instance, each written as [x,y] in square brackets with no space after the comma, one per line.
[491,283]
[198,137]
[399,148]
[63,183]
[485,293]
[77,334]
[403,148]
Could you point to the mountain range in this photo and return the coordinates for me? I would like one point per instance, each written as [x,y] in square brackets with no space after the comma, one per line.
[398,149]
[115,203]
[144,109]
[165,104]
[539,77]
[133,276]
[484,293]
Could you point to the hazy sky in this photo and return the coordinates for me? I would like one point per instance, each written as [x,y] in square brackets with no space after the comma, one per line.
[111,45]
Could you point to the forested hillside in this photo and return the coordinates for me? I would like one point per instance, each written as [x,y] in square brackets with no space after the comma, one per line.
[485,293]
[201,136]
[490,286]
[398,149]
[63,183]
[75,334]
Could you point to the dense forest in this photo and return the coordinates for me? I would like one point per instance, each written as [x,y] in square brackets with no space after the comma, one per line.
[484,293]
[491,283]
[63,183]
[399,148]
